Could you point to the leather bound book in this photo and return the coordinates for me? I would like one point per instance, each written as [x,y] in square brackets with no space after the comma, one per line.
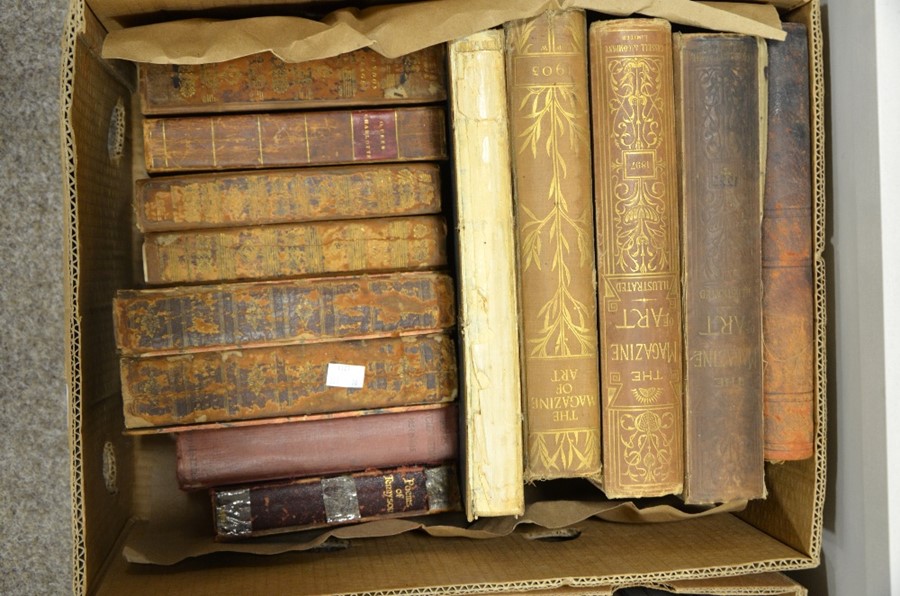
[334,444]
[288,380]
[194,201]
[255,314]
[551,145]
[721,106]
[292,250]
[285,139]
[264,81]
[307,503]
[488,301]
[788,319]
[638,257]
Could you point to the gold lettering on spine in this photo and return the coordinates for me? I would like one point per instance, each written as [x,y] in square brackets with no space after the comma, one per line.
[212,133]
[397,135]
[306,137]
[259,139]
[165,145]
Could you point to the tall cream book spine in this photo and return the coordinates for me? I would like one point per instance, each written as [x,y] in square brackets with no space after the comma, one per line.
[488,307]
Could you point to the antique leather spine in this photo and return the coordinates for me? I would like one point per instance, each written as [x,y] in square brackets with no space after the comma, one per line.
[288,380]
[308,503]
[721,98]
[290,250]
[356,441]
[195,201]
[488,319]
[550,129]
[255,314]
[284,139]
[638,257]
[788,319]
[264,81]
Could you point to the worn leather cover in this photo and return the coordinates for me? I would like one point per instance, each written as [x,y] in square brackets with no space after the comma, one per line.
[288,380]
[265,82]
[291,250]
[253,314]
[226,455]
[788,318]
[638,258]
[318,502]
[721,106]
[551,145]
[282,139]
[282,196]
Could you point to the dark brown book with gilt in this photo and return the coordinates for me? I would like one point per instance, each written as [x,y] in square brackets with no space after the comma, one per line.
[298,249]
[721,100]
[288,380]
[287,139]
[256,314]
[193,201]
[638,260]
[550,128]
[329,444]
[788,291]
[265,82]
[309,503]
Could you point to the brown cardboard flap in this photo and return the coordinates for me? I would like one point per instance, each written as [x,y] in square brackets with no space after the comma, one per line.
[395,30]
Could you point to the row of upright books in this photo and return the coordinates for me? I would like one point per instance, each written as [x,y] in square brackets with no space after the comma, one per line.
[625,298]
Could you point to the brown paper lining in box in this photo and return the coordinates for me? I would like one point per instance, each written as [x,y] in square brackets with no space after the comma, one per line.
[397,29]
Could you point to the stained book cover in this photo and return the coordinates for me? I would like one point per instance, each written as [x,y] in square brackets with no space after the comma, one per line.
[291,250]
[192,201]
[638,257]
[308,503]
[256,314]
[285,139]
[721,98]
[337,444]
[487,280]
[264,81]
[788,319]
[289,380]
[551,160]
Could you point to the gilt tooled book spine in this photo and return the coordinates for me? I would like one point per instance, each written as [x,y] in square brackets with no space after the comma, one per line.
[290,380]
[308,503]
[284,139]
[265,82]
[195,201]
[368,439]
[638,257]
[487,278]
[256,314]
[788,318]
[551,159]
[721,98]
[290,250]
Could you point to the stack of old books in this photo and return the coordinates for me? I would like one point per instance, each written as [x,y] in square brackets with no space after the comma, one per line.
[296,337]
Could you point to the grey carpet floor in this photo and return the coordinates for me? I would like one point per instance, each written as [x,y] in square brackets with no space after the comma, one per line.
[35,534]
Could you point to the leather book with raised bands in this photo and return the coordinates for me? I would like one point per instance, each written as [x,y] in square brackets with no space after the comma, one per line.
[256,314]
[264,81]
[551,159]
[297,249]
[638,257]
[721,106]
[329,444]
[788,319]
[288,380]
[286,139]
[192,201]
[308,503]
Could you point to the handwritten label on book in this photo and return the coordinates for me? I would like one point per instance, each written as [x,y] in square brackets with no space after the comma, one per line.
[349,376]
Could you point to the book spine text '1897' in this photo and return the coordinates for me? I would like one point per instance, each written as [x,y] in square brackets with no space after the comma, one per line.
[551,147]
[638,262]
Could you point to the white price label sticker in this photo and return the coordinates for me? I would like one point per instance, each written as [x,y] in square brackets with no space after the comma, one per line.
[350,376]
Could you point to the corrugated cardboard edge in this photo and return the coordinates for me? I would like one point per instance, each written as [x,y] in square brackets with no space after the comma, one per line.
[75,24]
[394,30]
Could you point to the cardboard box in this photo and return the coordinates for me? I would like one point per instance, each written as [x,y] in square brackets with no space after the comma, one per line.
[124,491]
